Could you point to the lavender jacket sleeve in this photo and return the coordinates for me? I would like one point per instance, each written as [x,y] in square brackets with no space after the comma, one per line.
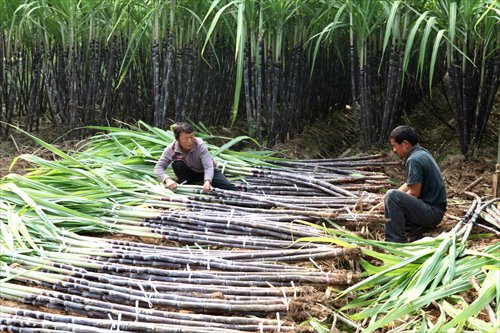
[164,162]
[207,161]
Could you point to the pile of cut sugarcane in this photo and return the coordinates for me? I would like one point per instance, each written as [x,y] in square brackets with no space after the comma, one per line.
[93,237]
[231,260]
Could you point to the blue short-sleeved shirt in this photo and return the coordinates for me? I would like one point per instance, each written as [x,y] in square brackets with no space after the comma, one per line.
[422,168]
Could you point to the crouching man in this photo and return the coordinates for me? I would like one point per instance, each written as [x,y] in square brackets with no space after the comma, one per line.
[420,203]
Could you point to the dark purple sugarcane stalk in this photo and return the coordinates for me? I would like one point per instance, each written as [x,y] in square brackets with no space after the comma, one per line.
[156,81]
[247,84]
[179,91]
[268,325]
[11,91]
[34,105]
[259,74]
[100,309]
[167,71]
[188,86]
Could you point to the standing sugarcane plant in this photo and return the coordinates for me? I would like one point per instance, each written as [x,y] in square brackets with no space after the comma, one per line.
[379,60]
[459,39]
[81,63]
[472,42]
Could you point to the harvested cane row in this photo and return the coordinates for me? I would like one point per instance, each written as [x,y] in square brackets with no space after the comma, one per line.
[240,257]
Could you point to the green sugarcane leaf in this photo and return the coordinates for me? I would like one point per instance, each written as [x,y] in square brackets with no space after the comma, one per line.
[390,24]
[402,310]
[7,238]
[450,263]
[30,182]
[437,327]
[52,149]
[239,48]
[372,280]
[471,322]
[485,254]
[387,299]
[423,44]
[31,203]
[491,217]
[127,152]
[92,175]
[435,50]
[426,273]
[411,37]
[231,143]
[423,324]
[167,136]
[329,240]
[317,326]
[19,228]
[445,267]
[143,151]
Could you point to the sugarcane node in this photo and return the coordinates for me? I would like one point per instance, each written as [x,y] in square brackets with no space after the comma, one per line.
[217,295]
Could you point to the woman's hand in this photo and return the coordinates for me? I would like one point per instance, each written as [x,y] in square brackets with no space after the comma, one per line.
[171,184]
[207,187]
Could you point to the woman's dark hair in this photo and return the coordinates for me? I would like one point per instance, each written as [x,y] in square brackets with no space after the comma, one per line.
[182,128]
[403,132]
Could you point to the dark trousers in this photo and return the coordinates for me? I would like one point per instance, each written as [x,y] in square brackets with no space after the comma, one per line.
[185,173]
[408,214]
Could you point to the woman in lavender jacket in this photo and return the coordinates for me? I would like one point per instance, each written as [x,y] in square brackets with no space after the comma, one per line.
[191,162]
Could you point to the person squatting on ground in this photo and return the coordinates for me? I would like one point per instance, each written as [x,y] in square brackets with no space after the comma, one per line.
[191,162]
[420,203]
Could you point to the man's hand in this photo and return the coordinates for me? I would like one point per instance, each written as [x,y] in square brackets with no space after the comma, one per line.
[171,184]
[207,187]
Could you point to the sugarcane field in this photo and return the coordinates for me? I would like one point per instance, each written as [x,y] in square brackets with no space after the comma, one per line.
[249,166]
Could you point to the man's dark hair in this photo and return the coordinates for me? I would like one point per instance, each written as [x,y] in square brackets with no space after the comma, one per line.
[403,132]
[182,128]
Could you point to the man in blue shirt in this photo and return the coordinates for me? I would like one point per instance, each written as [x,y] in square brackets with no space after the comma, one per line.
[420,203]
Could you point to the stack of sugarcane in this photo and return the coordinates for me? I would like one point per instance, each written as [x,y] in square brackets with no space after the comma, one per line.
[132,293]
[133,281]
[118,279]
[236,251]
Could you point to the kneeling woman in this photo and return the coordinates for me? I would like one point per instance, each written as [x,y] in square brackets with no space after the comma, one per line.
[191,162]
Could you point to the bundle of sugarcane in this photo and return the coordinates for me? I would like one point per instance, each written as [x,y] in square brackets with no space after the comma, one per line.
[108,316]
[101,289]
[39,228]
[86,284]
[147,141]
[188,227]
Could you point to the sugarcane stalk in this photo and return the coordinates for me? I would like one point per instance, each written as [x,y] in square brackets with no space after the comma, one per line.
[247,66]
[167,72]
[129,325]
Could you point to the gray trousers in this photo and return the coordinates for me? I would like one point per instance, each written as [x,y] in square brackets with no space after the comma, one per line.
[408,214]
